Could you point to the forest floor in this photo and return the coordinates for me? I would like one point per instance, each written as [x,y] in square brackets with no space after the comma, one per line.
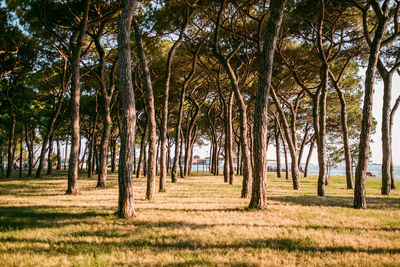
[198,221]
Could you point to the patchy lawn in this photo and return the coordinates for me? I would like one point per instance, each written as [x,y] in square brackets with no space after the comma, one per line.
[198,221]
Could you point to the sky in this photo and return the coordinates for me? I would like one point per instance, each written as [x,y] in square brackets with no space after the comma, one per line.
[375,145]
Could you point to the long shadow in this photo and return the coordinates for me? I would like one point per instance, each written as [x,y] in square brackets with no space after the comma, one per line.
[168,243]
[338,201]
[18,218]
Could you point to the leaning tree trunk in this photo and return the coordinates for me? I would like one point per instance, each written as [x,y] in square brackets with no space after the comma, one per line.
[312,143]
[76,44]
[125,183]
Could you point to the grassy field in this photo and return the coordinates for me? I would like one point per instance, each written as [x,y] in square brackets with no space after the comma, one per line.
[198,221]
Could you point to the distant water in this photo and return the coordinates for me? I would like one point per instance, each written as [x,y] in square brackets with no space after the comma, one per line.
[375,169]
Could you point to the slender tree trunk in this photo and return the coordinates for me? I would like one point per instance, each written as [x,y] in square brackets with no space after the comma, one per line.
[114,156]
[238,157]
[145,159]
[66,153]
[58,168]
[181,170]
[386,145]
[142,161]
[277,150]
[178,137]
[125,184]
[2,159]
[104,143]
[345,131]
[286,157]
[151,115]
[303,143]
[164,118]
[50,156]
[76,44]
[312,142]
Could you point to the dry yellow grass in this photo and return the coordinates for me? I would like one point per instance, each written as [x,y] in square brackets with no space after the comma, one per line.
[198,221]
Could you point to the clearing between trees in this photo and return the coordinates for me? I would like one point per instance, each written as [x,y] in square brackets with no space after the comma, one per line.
[197,221]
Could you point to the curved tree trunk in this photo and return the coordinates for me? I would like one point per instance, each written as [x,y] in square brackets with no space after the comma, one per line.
[125,184]
[76,44]
[50,156]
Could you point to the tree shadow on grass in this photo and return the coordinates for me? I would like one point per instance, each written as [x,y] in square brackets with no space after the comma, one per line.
[18,218]
[338,201]
[168,243]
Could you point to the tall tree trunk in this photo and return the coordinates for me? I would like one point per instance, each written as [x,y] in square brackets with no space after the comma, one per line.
[303,143]
[259,194]
[365,135]
[125,184]
[164,118]
[2,159]
[151,114]
[321,139]
[29,141]
[386,131]
[76,45]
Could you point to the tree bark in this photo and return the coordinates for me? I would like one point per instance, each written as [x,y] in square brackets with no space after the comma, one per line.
[76,45]
[151,114]
[366,124]
[164,118]
[125,183]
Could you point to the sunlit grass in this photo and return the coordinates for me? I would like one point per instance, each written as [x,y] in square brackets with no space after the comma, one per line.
[198,221]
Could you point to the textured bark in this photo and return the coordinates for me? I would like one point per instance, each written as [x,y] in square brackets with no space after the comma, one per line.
[290,136]
[125,183]
[259,194]
[247,169]
[76,45]
[182,174]
[345,132]
[2,159]
[366,124]
[164,118]
[151,114]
